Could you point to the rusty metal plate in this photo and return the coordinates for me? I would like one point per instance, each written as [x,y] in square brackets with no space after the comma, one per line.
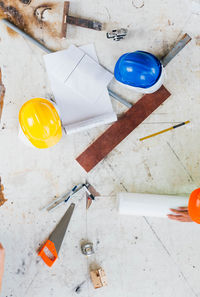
[101,147]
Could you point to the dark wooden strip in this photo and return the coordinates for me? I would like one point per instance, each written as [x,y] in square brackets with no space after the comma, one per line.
[122,128]
[95,25]
[64,21]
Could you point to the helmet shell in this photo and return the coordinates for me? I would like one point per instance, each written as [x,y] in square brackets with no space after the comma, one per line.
[194,206]
[138,69]
[40,122]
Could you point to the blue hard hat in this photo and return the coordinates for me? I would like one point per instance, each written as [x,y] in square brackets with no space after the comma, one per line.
[138,69]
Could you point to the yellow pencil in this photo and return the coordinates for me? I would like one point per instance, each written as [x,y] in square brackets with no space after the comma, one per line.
[165,130]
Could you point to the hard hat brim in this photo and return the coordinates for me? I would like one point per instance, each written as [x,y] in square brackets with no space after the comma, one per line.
[194,206]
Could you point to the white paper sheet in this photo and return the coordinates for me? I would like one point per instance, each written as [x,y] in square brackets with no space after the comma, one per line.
[79,85]
[149,205]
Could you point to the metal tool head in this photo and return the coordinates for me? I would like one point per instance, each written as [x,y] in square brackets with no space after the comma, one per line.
[88,201]
[64,198]
[91,189]
[91,193]
[97,25]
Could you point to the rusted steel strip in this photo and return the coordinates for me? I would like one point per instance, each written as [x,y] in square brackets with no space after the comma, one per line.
[122,128]
[2,94]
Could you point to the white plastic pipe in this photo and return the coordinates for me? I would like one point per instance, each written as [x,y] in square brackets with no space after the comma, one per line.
[149,205]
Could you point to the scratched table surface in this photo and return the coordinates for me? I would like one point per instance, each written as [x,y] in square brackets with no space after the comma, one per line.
[141,256]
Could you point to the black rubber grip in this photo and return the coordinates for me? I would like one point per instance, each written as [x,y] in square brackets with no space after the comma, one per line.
[179,125]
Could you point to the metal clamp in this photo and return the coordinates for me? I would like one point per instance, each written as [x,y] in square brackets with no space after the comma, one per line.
[117,35]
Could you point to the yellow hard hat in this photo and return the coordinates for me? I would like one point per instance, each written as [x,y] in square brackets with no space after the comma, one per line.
[40,122]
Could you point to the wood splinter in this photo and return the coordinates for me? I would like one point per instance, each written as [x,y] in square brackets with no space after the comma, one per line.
[2,198]
[98,278]
[2,94]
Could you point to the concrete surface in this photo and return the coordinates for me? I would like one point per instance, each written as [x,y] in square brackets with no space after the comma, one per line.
[141,256]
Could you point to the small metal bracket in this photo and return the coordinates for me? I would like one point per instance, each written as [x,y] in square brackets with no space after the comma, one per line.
[117,35]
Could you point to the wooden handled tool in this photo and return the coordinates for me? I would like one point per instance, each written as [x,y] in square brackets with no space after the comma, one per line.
[67,19]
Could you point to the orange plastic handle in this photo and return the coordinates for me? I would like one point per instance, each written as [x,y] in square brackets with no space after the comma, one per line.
[48,253]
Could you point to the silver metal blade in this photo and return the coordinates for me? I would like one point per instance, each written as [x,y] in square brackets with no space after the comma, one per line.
[62,199]
[57,202]
[176,49]
[59,232]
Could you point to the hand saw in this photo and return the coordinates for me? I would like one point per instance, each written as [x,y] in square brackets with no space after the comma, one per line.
[50,250]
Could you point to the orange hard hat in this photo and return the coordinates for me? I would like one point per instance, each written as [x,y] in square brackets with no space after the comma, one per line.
[194,206]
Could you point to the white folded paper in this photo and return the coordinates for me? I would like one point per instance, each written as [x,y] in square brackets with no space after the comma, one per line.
[149,205]
[79,85]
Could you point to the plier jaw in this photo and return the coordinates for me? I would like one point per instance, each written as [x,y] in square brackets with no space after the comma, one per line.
[90,194]
[89,199]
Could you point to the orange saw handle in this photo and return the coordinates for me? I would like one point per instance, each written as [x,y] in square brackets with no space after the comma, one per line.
[48,253]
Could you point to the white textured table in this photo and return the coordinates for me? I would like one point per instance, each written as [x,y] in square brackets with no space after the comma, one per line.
[141,256]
